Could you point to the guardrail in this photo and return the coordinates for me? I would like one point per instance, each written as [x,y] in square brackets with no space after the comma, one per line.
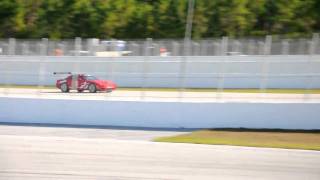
[160,114]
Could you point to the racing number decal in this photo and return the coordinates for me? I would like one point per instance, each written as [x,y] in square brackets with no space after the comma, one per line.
[83,85]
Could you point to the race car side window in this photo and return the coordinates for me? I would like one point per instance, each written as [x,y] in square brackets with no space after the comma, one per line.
[90,78]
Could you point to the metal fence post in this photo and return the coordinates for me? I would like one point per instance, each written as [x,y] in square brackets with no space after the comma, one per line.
[25,48]
[195,48]
[301,46]
[175,48]
[224,45]
[221,77]
[52,48]
[94,46]
[310,79]
[187,47]
[62,46]
[140,47]
[41,74]
[145,66]
[134,48]
[251,47]
[285,47]
[155,49]
[90,46]
[216,49]
[75,71]
[7,78]
[260,48]
[110,74]
[203,48]
[182,66]
[44,46]
[12,46]
[267,45]
[265,64]
[112,45]
[182,76]
[313,44]
[77,46]
[148,47]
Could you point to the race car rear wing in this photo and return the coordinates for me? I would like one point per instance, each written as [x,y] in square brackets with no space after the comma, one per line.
[55,73]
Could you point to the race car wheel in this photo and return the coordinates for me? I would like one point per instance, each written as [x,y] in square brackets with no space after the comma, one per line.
[64,87]
[92,88]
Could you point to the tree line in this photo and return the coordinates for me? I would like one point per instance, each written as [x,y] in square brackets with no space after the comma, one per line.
[132,19]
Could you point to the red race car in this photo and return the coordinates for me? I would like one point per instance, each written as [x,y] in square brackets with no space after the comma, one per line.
[82,82]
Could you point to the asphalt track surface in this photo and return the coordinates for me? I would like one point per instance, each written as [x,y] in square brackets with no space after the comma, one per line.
[28,152]
[163,96]
[84,153]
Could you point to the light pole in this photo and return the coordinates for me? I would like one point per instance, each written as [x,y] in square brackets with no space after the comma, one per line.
[188,33]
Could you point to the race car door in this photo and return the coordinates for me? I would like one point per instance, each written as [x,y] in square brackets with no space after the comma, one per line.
[74,82]
[82,83]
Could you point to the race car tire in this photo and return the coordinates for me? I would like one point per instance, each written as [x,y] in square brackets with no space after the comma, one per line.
[64,88]
[92,88]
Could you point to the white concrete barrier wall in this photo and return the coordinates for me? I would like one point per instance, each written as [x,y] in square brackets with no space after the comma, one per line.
[161,114]
[295,71]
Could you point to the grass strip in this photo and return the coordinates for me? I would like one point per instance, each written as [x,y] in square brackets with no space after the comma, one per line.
[287,139]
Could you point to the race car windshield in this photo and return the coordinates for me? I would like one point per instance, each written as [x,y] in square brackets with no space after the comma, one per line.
[90,78]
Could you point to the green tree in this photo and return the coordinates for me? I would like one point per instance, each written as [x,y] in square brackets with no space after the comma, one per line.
[8,18]
[54,19]
[170,17]
[126,19]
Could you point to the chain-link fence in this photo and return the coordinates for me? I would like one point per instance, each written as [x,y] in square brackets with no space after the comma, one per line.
[203,70]
[169,47]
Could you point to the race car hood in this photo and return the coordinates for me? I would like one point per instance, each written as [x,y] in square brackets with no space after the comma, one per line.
[104,83]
